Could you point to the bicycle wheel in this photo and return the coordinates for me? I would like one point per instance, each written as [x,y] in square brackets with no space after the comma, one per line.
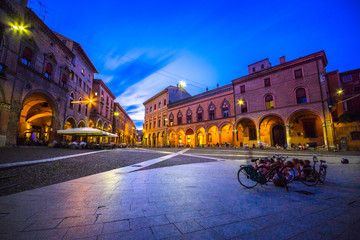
[244,178]
[322,173]
[288,173]
[309,177]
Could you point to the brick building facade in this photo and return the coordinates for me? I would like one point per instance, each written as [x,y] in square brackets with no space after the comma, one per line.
[46,81]
[284,105]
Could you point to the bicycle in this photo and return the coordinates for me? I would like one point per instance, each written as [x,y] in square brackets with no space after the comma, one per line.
[249,177]
[310,176]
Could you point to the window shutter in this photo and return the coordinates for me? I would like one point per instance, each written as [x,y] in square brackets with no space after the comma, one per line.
[27,54]
[48,68]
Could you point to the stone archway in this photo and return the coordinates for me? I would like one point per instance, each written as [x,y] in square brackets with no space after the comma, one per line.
[272,131]
[37,120]
[189,138]
[227,134]
[200,137]
[305,128]
[180,138]
[213,139]
[246,134]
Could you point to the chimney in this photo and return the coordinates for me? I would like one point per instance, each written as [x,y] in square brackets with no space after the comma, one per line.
[282,60]
[217,85]
[207,89]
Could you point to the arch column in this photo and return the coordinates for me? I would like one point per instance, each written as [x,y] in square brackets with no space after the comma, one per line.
[258,136]
[288,138]
[206,138]
[220,139]
[196,140]
[325,135]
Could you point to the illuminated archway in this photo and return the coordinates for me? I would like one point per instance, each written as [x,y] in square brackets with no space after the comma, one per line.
[189,138]
[91,124]
[37,120]
[180,138]
[305,128]
[200,137]
[213,139]
[246,134]
[227,134]
[272,131]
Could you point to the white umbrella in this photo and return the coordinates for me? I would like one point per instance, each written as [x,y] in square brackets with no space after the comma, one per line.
[86,131]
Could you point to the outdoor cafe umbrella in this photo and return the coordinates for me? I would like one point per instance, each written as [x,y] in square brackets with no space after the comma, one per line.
[86,131]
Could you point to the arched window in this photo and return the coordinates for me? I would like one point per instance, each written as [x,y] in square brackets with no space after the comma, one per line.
[179,118]
[71,100]
[79,107]
[48,71]
[171,119]
[243,105]
[188,116]
[63,80]
[269,102]
[301,96]
[71,75]
[212,111]
[86,109]
[225,109]
[199,114]
[27,56]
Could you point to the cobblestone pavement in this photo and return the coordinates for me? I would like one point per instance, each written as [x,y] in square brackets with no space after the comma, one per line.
[190,201]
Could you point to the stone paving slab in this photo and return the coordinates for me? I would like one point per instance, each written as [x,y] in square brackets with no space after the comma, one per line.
[194,201]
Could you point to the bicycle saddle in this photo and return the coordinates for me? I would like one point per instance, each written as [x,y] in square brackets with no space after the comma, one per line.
[254,160]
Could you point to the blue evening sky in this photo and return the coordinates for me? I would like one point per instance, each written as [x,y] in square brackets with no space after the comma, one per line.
[141,47]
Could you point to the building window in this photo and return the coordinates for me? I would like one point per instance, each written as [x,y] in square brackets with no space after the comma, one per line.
[147,110]
[159,105]
[154,124]
[179,118]
[159,123]
[71,100]
[171,121]
[298,73]
[242,89]
[71,76]
[225,109]
[79,107]
[146,126]
[188,118]
[150,109]
[80,82]
[267,82]
[48,71]
[150,126]
[82,71]
[63,80]
[253,69]
[86,109]
[347,78]
[164,121]
[27,56]
[244,107]
[269,102]
[212,112]
[164,102]
[355,135]
[301,96]
[262,66]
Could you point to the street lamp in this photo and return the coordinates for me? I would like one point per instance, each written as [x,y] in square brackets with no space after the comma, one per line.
[339,91]
[182,84]
[241,102]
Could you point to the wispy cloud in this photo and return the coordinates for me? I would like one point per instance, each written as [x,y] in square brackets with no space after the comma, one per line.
[105,78]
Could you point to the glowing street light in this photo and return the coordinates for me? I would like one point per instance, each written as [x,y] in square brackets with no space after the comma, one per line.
[340,91]
[241,102]
[182,84]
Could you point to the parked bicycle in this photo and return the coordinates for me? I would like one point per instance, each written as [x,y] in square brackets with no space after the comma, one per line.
[249,176]
[310,176]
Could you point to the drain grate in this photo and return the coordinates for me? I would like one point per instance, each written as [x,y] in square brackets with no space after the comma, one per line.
[136,165]
[305,192]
